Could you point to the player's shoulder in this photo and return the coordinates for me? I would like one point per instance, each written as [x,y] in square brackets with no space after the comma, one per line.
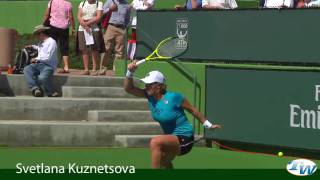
[173,94]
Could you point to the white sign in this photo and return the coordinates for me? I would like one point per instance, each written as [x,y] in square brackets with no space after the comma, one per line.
[182,32]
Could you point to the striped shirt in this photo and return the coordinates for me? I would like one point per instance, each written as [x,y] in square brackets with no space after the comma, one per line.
[122,15]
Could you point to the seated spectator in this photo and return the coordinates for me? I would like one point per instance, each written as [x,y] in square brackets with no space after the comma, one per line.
[313,3]
[279,4]
[308,3]
[40,71]
[140,5]
[219,4]
[190,4]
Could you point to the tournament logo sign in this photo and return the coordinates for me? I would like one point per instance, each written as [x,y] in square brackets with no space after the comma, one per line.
[182,33]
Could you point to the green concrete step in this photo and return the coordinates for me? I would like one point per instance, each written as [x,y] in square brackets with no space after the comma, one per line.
[45,108]
[92,92]
[69,134]
[119,116]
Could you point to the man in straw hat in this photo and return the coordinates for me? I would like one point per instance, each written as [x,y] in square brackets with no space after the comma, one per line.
[41,69]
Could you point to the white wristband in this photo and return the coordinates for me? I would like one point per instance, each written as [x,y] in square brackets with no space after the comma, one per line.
[129,74]
[207,124]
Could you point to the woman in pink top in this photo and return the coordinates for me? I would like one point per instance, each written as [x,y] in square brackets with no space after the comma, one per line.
[61,17]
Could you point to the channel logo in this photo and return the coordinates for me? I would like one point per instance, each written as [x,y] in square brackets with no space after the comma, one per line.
[301,167]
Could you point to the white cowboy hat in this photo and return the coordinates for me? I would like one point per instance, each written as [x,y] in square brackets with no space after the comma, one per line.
[40,28]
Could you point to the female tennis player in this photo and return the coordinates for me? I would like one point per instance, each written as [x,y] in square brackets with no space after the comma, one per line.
[168,109]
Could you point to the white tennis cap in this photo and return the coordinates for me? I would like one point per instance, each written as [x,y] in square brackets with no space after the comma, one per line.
[154,76]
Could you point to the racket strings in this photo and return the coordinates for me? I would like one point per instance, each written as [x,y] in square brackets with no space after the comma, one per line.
[171,48]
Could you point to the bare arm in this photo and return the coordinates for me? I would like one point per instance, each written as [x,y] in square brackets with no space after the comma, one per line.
[96,19]
[206,6]
[186,105]
[300,4]
[79,16]
[46,15]
[194,4]
[72,22]
[212,7]
[129,86]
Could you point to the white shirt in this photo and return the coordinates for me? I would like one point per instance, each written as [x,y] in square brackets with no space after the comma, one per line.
[89,11]
[221,4]
[139,5]
[313,3]
[278,3]
[47,52]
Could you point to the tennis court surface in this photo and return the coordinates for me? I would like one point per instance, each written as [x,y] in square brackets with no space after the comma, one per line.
[198,158]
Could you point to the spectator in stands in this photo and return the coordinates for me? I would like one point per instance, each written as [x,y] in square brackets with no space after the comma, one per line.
[140,5]
[115,34]
[90,34]
[279,4]
[40,71]
[61,17]
[137,5]
[219,4]
[308,3]
[190,4]
[261,3]
[301,3]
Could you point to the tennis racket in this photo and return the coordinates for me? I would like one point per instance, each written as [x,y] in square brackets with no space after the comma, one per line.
[168,48]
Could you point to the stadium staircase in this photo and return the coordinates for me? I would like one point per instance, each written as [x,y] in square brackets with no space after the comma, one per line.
[92,112]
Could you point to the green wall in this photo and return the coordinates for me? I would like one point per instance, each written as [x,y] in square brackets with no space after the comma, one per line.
[177,80]
[249,35]
[264,106]
[24,16]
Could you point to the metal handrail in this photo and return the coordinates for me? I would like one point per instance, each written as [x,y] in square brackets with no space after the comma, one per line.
[195,82]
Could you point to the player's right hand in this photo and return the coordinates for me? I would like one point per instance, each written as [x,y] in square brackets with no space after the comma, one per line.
[132,66]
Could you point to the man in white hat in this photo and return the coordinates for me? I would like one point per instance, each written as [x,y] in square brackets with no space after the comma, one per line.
[41,69]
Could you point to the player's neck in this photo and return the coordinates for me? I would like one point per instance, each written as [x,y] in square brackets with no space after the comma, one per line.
[158,96]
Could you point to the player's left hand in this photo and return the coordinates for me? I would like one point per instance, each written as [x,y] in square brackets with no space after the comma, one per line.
[216,126]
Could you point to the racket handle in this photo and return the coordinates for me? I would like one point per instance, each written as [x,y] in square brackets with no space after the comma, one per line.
[140,62]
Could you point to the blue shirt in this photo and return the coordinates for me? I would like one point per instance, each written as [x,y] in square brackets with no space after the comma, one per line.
[169,113]
[189,4]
